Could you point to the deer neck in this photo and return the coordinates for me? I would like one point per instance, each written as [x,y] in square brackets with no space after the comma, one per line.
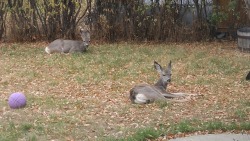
[161,85]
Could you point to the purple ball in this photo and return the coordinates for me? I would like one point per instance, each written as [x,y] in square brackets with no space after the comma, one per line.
[17,100]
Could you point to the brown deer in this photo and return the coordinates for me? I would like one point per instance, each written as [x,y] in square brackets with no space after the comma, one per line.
[70,46]
[144,93]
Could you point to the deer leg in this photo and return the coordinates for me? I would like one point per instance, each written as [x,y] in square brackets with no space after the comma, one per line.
[174,95]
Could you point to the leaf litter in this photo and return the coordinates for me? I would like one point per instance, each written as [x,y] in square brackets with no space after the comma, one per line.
[96,109]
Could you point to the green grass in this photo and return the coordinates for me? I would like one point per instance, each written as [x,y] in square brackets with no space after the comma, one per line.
[144,134]
[241,114]
[140,135]
[85,96]
[162,104]
[185,126]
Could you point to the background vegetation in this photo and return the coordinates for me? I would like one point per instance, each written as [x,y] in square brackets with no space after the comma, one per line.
[34,20]
[112,20]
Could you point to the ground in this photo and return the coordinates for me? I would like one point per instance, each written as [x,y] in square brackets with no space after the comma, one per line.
[86,96]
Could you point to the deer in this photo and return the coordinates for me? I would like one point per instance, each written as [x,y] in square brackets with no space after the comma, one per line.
[145,93]
[70,46]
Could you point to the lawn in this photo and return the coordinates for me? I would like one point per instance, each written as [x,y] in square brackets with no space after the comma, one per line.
[85,96]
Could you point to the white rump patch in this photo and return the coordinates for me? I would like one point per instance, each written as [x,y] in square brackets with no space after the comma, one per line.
[47,50]
[141,99]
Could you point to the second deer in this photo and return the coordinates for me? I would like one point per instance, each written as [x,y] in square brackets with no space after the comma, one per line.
[70,46]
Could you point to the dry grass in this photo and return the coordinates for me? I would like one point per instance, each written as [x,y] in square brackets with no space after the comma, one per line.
[85,96]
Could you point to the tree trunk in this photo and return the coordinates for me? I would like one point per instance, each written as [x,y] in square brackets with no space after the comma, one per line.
[247,4]
[2,18]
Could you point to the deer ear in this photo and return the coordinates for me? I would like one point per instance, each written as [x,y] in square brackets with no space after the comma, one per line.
[169,67]
[88,33]
[158,67]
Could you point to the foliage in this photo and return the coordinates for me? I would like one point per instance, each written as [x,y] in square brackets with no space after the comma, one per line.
[218,17]
[137,20]
[109,20]
[222,15]
[34,19]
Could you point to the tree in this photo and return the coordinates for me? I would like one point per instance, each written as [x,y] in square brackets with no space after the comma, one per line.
[3,14]
[35,19]
[247,4]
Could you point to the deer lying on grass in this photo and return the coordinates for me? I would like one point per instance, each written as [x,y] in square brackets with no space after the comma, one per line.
[70,46]
[144,93]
